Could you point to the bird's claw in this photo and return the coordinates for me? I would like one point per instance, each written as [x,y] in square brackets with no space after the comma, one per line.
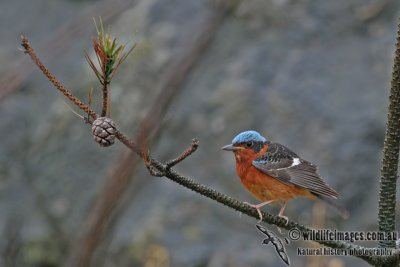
[285,218]
[259,214]
[258,210]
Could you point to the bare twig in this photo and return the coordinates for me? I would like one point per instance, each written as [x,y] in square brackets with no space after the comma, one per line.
[129,143]
[29,50]
[105,98]
[149,162]
[189,151]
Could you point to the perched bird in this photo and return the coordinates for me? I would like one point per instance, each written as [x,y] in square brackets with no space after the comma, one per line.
[273,173]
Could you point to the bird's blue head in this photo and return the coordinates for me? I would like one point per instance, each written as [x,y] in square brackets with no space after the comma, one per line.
[247,140]
[248,136]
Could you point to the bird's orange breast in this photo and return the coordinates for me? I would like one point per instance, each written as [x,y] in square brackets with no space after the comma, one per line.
[265,187]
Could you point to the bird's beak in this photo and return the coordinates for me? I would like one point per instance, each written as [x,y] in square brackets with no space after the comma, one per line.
[230,148]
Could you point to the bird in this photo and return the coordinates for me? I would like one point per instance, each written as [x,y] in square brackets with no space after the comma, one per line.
[273,173]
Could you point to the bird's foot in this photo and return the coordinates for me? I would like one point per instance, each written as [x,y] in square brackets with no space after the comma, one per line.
[258,206]
[285,218]
[287,222]
[280,215]
[258,210]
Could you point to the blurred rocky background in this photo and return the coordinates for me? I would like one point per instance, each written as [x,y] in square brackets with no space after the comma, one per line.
[313,75]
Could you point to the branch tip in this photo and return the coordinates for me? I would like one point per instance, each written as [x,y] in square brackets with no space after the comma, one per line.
[189,151]
[25,44]
[36,60]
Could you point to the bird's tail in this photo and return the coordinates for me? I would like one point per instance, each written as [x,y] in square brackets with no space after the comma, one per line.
[338,208]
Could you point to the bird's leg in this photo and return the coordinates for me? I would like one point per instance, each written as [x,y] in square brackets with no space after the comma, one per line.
[281,213]
[258,206]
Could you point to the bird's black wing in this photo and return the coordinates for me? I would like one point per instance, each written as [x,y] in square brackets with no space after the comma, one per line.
[283,164]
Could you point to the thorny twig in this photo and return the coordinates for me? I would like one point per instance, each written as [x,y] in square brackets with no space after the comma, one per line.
[160,169]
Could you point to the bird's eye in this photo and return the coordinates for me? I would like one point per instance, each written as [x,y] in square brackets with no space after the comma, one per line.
[249,144]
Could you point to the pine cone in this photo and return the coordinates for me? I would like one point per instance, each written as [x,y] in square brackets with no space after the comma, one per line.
[103,130]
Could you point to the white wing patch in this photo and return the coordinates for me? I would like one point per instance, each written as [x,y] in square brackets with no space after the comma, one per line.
[296,161]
